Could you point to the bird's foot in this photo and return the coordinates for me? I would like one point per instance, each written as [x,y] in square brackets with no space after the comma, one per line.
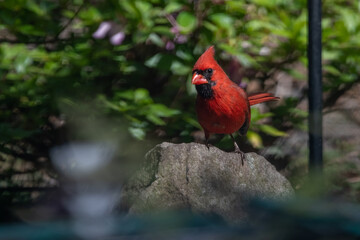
[208,145]
[237,150]
[242,154]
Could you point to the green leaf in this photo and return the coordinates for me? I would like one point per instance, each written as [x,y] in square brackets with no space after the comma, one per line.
[160,61]
[332,70]
[154,38]
[193,122]
[162,111]
[222,20]
[330,55]
[254,139]
[153,61]
[256,115]
[246,60]
[187,22]
[184,55]
[30,30]
[143,7]
[190,88]
[236,6]
[162,30]
[350,19]
[297,74]
[179,68]
[138,133]
[267,3]
[271,130]
[155,120]
[141,94]
[90,15]
[128,94]
[21,63]
[32,6]
[173,7]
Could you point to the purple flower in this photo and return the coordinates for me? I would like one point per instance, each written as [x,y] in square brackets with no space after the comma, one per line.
[264,51]
[180,39]
[102,30]
[169,45]
[117,38]
[242,85]
[175,30]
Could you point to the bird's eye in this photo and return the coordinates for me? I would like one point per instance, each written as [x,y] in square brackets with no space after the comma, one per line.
[209,70]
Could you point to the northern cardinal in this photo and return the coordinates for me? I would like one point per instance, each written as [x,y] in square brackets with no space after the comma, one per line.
[221,105]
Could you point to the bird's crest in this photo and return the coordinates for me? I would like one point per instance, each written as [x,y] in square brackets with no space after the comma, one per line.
[206,60]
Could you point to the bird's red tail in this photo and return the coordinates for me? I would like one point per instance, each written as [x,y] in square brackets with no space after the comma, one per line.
[261,97]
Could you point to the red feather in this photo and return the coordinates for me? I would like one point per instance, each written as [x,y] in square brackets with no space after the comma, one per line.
[260,98]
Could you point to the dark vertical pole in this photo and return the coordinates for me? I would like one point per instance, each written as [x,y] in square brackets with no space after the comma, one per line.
[315,85]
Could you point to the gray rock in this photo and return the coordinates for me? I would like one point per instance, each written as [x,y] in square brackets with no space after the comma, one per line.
[177,176]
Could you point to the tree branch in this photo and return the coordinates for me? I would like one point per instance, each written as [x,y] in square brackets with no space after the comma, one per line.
[70,21]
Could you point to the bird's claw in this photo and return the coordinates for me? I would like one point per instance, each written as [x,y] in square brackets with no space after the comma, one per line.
[208,145]
[237,150]
[242,155]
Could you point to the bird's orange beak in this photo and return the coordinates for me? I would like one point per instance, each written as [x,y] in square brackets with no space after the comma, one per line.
[198,79]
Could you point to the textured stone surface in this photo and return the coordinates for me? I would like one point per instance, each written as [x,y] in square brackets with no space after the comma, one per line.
[206,181]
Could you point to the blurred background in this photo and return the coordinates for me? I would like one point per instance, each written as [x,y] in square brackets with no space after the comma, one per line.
[88,87]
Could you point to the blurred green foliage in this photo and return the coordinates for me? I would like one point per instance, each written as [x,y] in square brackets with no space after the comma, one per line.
[48,57]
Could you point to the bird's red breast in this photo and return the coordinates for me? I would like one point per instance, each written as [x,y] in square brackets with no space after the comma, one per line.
[223,114]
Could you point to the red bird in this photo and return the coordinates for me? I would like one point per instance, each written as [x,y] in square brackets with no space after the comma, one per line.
[221,105]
